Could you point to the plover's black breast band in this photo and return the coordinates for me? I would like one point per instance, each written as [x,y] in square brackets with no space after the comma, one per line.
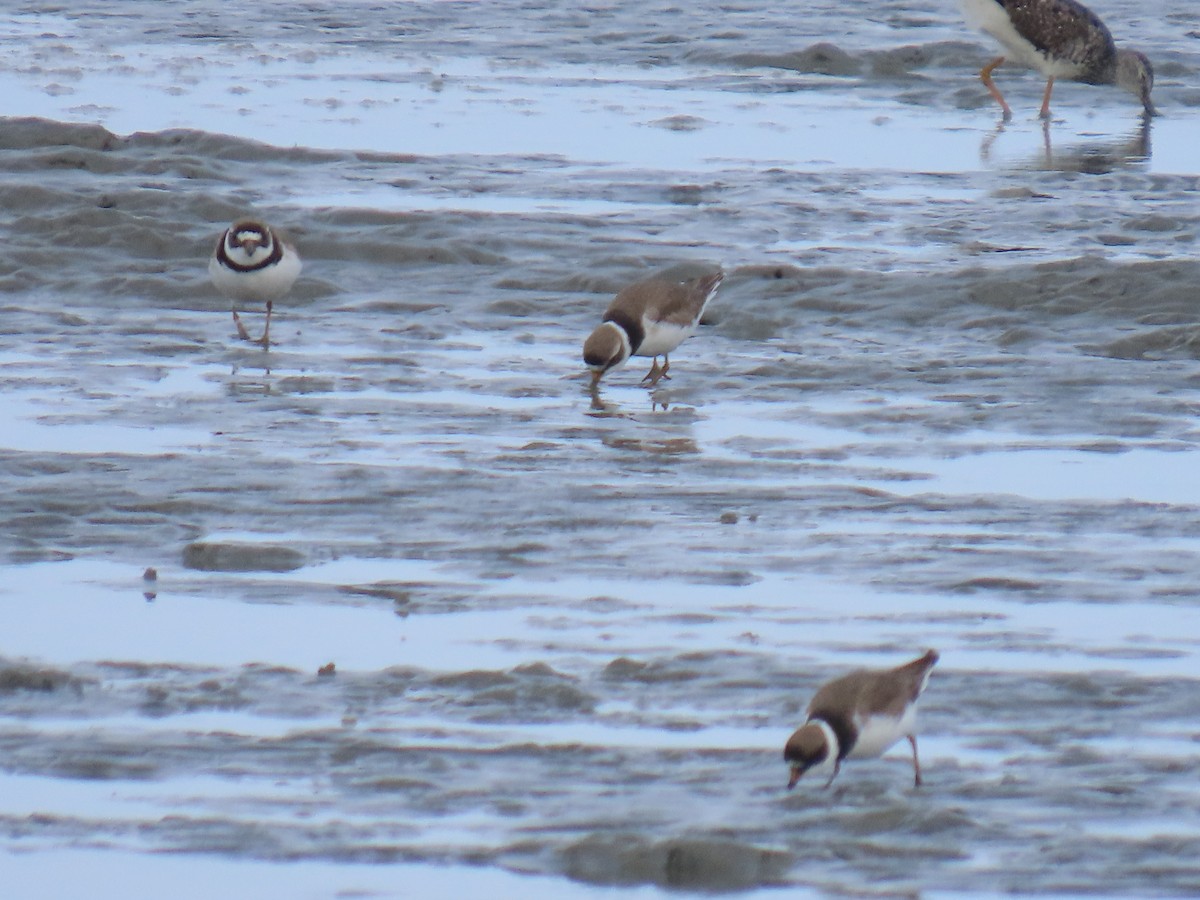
[630,325]
[842,728]
[275,256]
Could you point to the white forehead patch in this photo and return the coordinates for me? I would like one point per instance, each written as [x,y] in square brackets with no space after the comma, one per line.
[242,255]
[243,233]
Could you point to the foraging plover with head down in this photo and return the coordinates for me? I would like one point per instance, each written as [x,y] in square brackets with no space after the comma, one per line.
[859,716]
[648,318]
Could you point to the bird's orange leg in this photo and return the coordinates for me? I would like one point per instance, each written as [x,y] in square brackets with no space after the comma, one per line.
[265,340]
[666,366]
[653,376]
[1045,113]
[241,329]
[985,75]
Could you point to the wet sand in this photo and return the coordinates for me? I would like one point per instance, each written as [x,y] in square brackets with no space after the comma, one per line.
[946,397]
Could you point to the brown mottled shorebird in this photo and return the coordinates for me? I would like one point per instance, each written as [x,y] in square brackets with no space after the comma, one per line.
[1061,39]
[253,263]
[648,318]
[859,716]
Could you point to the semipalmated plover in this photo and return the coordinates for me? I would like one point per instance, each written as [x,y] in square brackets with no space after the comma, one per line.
[859,716]
[1061,39]
[252,263]
[648,318]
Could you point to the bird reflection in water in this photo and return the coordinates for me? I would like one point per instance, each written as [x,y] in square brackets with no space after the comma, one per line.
[1089,156]
[660,401]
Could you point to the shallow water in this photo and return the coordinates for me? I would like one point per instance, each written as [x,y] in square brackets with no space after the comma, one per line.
[946,397]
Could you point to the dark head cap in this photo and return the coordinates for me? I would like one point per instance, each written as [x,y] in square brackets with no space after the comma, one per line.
[807,747]
[605,348]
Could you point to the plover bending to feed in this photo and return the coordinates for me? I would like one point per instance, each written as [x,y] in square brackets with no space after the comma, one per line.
[1061,39]
[859,716]
[252,263]
[648,318]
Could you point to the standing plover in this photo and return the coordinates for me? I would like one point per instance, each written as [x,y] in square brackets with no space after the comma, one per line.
[1061,39]
[859,716]
[648,318]
[252,263]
